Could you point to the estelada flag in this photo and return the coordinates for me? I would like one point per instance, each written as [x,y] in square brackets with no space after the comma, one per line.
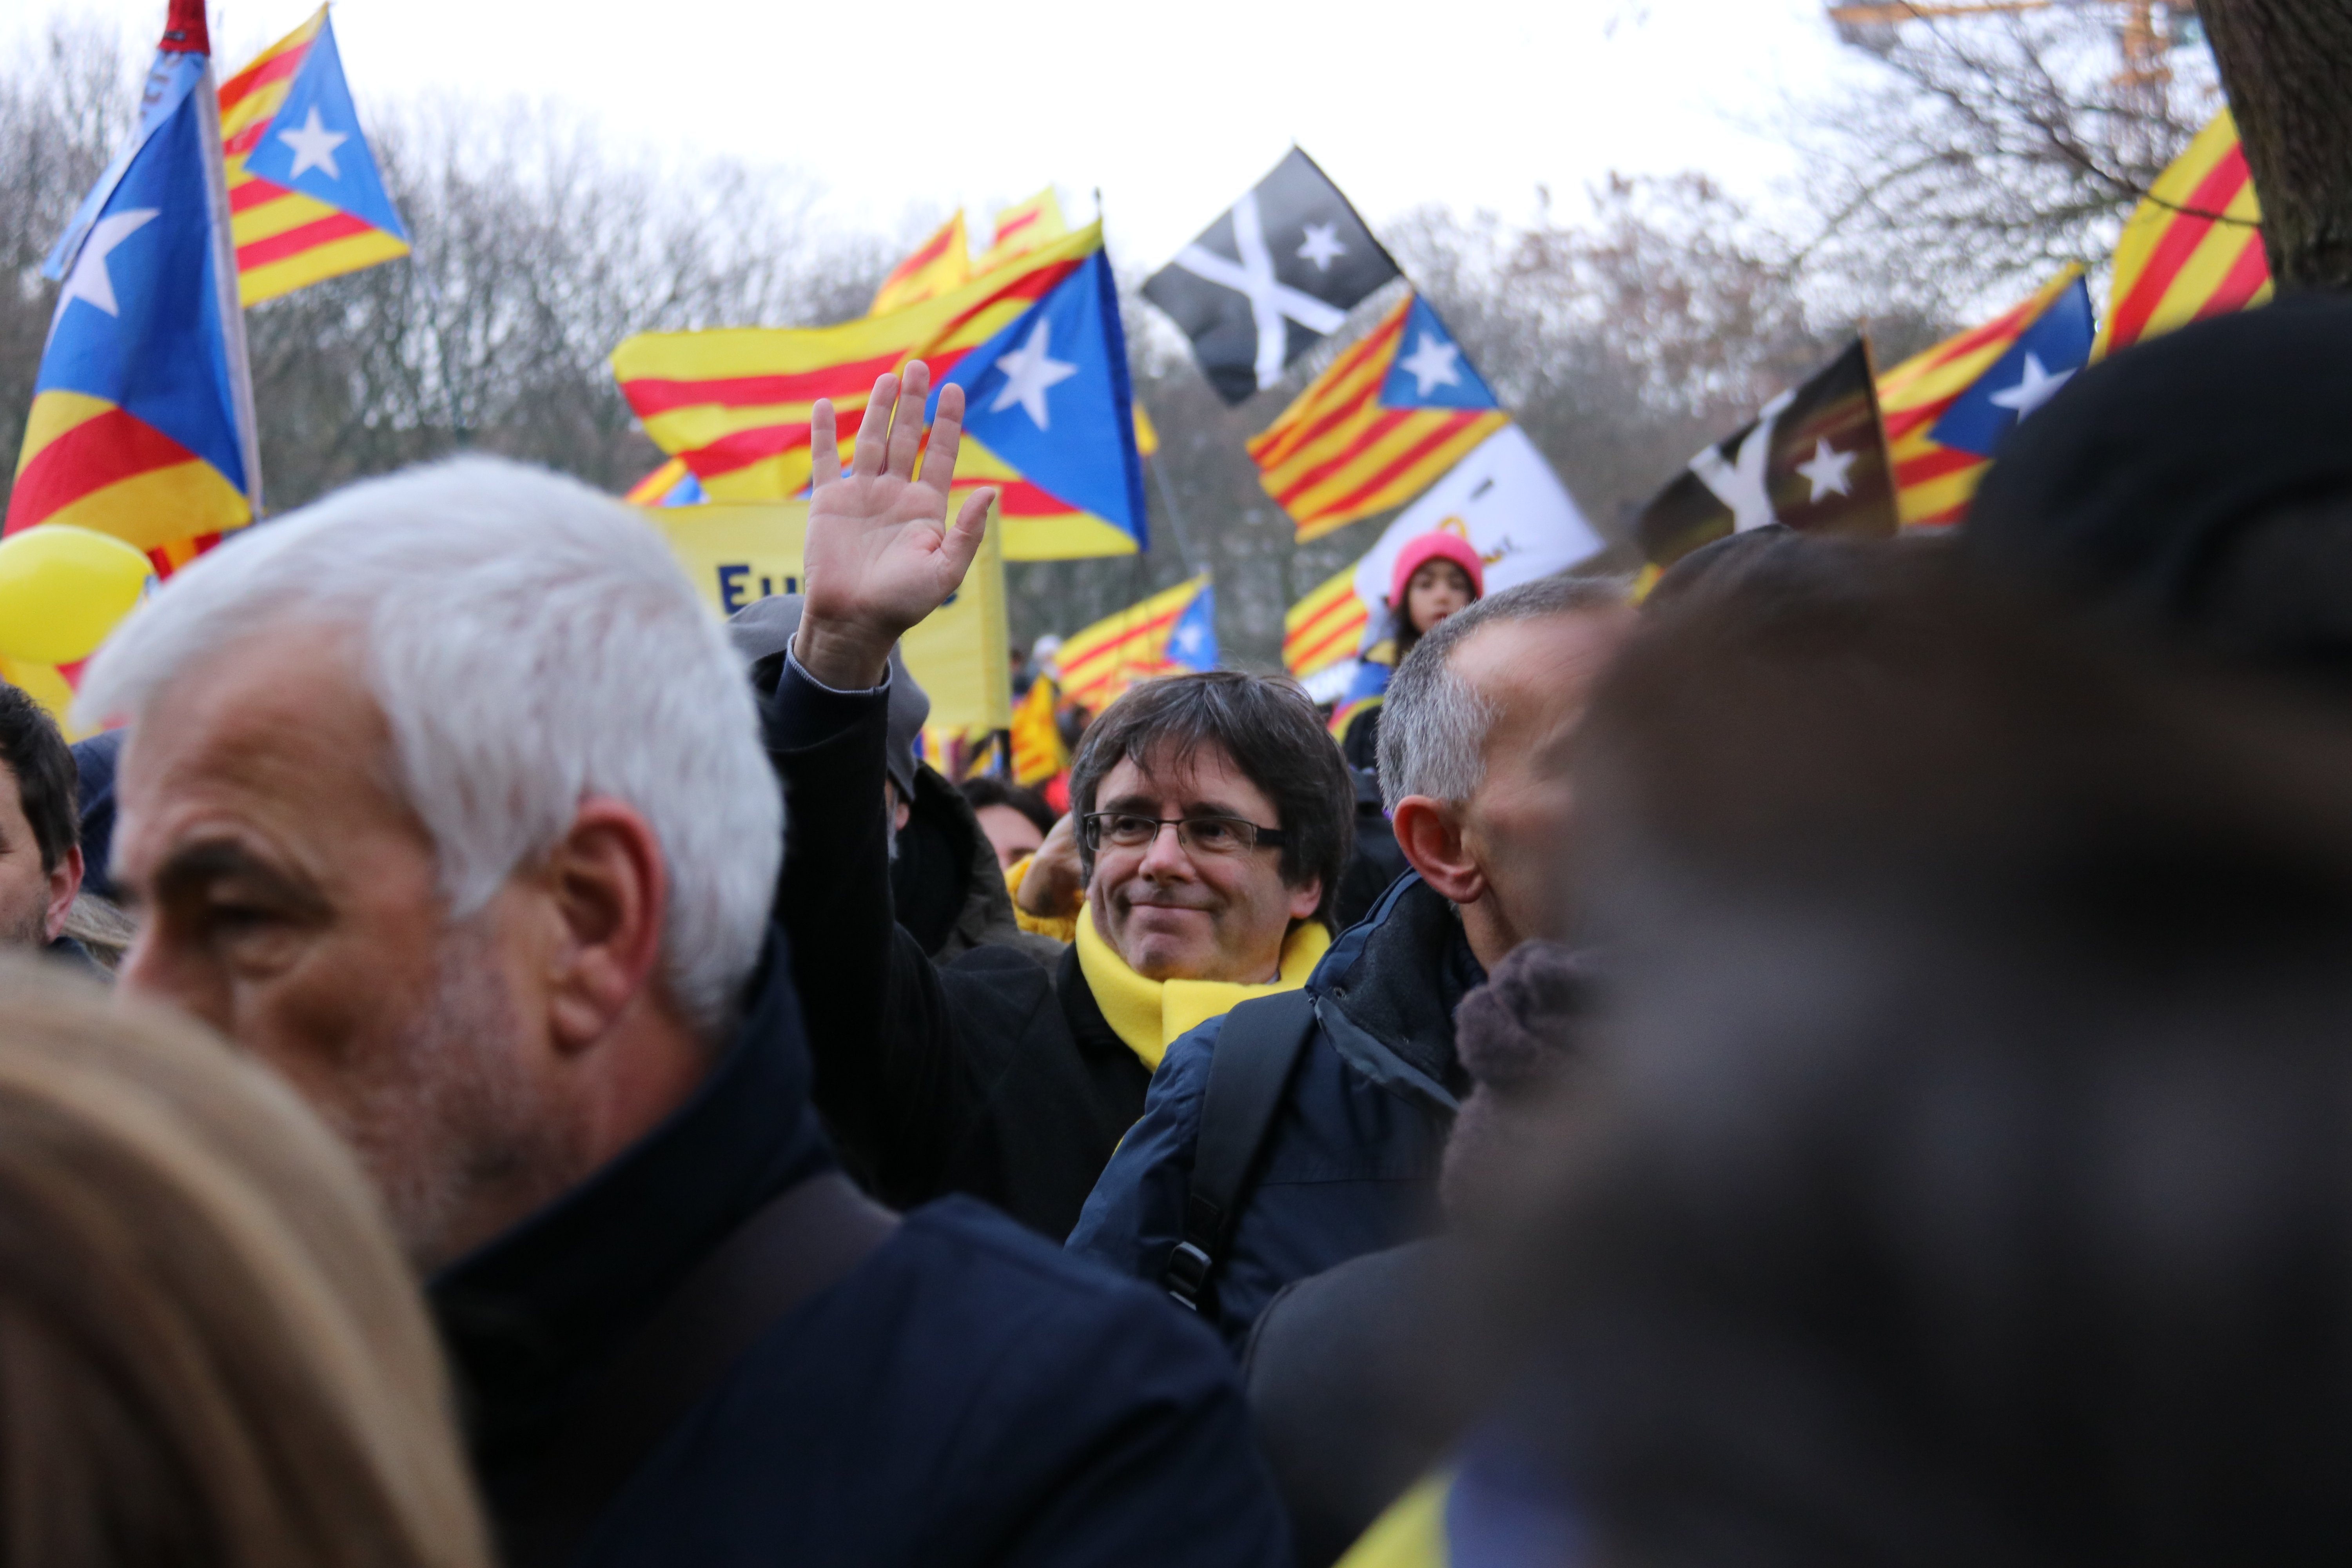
[672,484]
[1815,458]
[2193,246]
[734,402]
[940,263]
[1049,420]
[1022,228]
[1037,750]
[141,422]
[308,202]
[1113,654]
[1325,627]
[1393,412]
[1948,409]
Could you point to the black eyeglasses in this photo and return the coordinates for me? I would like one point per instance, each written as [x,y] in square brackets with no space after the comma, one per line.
[1198,835]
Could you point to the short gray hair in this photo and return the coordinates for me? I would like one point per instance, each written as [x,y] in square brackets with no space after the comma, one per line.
[1434,724]
[530,643]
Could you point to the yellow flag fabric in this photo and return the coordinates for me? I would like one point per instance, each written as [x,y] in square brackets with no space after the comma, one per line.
[1106,658]
[1037,750]
[939,264]
[1150,1015]
[739,554]
[1022,228]
[1410,1534]
[46,685]
[1326,627]
[2193,246]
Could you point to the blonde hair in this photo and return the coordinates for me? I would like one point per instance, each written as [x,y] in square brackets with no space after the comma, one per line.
[211,1351]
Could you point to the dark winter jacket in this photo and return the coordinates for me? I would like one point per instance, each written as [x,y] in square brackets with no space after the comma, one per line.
[966,1395]
[987,1074]
[946,886]
[1351,1162]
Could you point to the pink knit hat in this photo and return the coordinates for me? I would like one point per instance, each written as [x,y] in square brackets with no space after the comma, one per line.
[1440,546]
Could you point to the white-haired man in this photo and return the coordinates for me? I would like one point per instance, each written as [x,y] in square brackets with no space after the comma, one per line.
[445,797]
[1343,1099]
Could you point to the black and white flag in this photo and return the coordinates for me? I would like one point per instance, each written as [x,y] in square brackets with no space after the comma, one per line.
[1270,279]
[1815,458]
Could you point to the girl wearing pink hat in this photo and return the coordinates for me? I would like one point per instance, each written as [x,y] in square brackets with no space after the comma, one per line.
[1435,575]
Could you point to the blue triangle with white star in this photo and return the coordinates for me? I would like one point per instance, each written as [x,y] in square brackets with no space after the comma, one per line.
[313,143]
[2043,359]
[1193,640]
[1049,394]
[1427,369]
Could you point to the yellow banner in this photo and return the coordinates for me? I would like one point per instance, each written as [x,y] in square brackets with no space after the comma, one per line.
[739,553]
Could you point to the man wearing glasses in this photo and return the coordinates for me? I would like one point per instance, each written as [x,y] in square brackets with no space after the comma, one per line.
[1212,817]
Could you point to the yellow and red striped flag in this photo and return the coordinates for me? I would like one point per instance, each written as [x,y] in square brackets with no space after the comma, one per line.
[1022,228]
[305,200]
[1326,627]
[1390,416]
[1934,482]
[734,403]
[940,263]
[1037,750]
[2193,247]
[1113,654]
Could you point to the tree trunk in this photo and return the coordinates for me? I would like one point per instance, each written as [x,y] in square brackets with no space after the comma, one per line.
[2287,67]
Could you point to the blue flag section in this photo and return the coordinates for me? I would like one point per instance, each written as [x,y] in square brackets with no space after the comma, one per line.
[2045,357]
[139,322]
[1049,394]
[173,78]
[1430,370]
[314,144]
[1193,640]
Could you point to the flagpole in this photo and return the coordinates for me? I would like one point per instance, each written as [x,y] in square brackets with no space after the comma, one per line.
[185,32]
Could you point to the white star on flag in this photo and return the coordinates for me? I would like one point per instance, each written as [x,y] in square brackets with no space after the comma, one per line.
[1188,639]
[2038,387]
[1432,364]
[1828,470]
[89,279]
[314,146]
[1029,369]
[1322,246]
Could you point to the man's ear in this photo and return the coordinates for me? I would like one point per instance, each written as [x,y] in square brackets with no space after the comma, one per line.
[610,892]
[1430,838]
[1305,897]
[65,883]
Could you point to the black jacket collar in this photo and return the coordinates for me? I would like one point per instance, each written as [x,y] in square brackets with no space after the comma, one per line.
[530,1318]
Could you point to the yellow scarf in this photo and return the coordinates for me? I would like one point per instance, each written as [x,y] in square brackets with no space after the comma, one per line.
[1148,1015]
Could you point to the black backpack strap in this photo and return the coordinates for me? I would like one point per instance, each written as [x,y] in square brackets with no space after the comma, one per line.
[810,1237]
[1257,1047]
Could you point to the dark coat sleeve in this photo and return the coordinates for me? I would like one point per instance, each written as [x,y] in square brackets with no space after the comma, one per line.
[888,1073]
[1135,1215]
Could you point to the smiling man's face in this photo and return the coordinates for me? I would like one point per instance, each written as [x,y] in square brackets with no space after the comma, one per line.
[1172,915]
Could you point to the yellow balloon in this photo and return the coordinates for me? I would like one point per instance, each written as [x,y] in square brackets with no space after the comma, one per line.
[63,588]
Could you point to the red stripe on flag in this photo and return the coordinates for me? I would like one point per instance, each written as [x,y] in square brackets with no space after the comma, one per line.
[1389,420]
[1020,498]
[295,241]
[1033,285]
[1133,634]
[1263,450]
[1351,631]
[1416,454]
[2242,281]
[651,395]
[2182,233]
[1934,465]
[94,454]
[1008,231]
[1901,423]
[253,191]
[260,74]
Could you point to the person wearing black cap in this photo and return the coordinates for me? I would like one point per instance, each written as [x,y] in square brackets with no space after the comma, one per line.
[2195,491]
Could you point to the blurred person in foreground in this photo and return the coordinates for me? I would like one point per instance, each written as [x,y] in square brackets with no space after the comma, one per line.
[40,842]
[1209,824]
[1961,1176]
[445,798]
[210,1349]
[2194,493]
[1365,1076]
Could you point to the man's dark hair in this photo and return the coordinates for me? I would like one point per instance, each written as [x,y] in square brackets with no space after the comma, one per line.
[985,789]
[36,754]
[1269,729]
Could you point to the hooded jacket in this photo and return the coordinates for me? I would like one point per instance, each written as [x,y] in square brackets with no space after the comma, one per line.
[1351,1162]
[964,1395]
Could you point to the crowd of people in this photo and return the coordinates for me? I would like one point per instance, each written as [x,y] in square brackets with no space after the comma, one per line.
[1841,1061]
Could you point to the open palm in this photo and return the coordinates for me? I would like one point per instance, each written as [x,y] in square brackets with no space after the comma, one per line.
[881,554]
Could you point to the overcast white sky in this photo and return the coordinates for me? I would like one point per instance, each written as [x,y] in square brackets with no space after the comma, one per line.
[1170,109]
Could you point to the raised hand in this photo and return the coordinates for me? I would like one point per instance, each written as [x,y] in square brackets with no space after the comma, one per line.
[881,554]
